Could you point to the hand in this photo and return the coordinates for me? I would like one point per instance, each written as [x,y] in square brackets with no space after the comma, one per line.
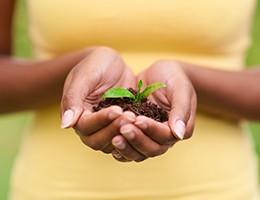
[150,138]
[144,139]
[102,69]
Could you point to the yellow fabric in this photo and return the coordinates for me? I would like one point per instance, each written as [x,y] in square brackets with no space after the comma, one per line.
[217,163]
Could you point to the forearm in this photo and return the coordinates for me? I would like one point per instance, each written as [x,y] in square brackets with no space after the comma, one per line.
[30,84]
[235,94]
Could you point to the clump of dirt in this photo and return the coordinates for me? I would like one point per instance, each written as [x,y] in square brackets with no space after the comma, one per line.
[145,107]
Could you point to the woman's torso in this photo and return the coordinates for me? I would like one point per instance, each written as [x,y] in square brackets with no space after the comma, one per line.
[217,163]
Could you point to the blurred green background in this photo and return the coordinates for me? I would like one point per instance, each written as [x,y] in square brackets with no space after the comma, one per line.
[12,126]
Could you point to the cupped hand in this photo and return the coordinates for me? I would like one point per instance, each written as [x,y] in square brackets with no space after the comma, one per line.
[102,69]
[150,138]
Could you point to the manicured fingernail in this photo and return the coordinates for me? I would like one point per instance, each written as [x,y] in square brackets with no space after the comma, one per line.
[118,143]
[114,113]
[116,154]
[130,116]
[142,124]
[67,118]
[180,129]
[127,132]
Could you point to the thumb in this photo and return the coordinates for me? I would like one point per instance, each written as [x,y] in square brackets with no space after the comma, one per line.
[180,110]
[71,103]
[70,117]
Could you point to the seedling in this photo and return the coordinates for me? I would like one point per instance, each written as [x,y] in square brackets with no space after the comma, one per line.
[140,95]
[135,101]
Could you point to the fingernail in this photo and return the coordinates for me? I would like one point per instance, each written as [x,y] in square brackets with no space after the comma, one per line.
[130,116]
[180,129]
[142,124]
[117,154]
[118,144]
[127,132]
[113,114]
[67,118]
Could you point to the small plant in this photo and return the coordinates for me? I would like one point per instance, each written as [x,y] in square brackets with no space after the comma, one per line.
[135,101]
[140,95]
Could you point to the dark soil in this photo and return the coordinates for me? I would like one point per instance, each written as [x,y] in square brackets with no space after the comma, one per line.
[145,108]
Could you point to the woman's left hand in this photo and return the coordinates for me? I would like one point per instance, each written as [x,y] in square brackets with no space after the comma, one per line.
[149,138]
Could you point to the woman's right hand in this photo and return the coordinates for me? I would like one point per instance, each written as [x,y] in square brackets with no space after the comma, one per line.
[102,69]
[149,138]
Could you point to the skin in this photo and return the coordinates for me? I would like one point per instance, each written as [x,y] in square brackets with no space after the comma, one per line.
[34,83]
[129,138]
[96,130]
[225,95]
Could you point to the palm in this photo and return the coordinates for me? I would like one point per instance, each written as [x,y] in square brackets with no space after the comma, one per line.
[101,70]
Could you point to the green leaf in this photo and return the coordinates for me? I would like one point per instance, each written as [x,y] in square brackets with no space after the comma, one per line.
[152,88]
[118,93]
[140,85]
[138,93]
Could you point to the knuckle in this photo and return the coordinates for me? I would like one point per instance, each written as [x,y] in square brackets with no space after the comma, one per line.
[66,99]
[91,143]
[108,149]
[79,129]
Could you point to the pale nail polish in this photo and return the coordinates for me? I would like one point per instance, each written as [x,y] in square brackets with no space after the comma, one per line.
[127,132]
[180,129]
[113,115]
[131,117]
[67,118]
[141,124]
[118,144]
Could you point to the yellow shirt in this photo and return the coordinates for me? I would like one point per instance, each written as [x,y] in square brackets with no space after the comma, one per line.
[217,163]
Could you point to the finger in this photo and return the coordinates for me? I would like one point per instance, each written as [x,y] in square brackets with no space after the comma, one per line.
[77,87]
[71,106]
[180,108]
[141,142]
[92,122]
[119,157]
[191,121]
[72,99]
[122,146]
[102,138]
[70,116]
[108,149]
[159,132]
